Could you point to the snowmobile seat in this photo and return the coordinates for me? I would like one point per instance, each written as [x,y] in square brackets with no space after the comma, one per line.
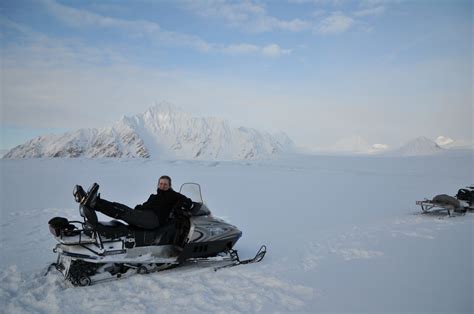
[112,223]
[111,229]
[163,235]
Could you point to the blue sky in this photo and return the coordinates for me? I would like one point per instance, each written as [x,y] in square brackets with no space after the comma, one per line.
[320,70]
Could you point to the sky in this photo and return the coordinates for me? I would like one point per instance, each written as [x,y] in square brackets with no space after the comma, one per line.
[319,70]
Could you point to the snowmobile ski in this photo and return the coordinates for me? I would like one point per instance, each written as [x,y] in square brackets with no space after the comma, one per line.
[236,259]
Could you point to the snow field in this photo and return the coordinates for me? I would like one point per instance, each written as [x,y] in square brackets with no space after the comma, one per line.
[343,235]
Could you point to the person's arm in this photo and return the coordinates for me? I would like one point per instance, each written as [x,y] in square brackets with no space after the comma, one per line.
[183,203]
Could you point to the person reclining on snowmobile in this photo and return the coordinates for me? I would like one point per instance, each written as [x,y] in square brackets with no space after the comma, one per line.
[152,214]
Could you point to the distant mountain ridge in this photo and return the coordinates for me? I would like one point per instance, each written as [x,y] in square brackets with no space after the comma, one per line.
[416,147]
[425,146]
[163,131]
[419,146]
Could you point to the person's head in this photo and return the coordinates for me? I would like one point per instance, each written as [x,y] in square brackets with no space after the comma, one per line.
[164,183]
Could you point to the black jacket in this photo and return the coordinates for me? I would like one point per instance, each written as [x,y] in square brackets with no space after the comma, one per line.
[164,202]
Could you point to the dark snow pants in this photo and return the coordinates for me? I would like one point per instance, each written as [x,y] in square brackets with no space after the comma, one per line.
[145,219]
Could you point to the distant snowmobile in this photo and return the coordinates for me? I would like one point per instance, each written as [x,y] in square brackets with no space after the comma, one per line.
[92,250]
[461,203]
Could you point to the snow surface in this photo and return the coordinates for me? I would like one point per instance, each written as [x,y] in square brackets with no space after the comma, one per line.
[163,131]
[343,235]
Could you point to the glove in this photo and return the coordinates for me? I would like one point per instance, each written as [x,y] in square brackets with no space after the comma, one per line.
[181,211]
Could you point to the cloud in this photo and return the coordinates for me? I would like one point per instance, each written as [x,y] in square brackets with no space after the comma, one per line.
[370,11]
[253,17]
[79,18]
[334,24]
[82,19]
[241,49]
[273,50]
[137,28]
[232,12]
[320,2]
[295,25]
[249,16]
[44,51]
[338,22]
[9,25]
[318,13]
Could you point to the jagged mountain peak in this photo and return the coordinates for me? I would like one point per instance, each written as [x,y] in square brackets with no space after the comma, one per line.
[164,112]
[163,109]
[162,131]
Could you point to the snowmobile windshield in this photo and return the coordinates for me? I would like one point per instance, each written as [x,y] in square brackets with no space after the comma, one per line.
[193,191]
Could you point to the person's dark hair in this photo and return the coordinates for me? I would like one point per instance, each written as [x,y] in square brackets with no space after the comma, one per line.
[167,178]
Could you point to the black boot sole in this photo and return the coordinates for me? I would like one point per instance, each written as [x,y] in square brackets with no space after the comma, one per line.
[89,201]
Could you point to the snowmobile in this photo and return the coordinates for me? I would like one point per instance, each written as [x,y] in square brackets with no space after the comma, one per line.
[90,251]
[462,202]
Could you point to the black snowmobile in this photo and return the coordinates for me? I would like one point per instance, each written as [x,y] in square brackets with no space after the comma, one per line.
[90,251]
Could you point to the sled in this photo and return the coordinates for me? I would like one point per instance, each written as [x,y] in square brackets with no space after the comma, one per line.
[428,205]
[443,202]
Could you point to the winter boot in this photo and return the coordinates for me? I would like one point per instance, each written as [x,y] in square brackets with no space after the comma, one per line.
[90,200]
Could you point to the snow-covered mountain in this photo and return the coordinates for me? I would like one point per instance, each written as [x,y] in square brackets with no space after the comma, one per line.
[419,146]
[378,148]
[163,131]
[449,143]
[444,140]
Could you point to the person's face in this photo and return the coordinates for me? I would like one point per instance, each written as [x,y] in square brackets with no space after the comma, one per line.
[164,184]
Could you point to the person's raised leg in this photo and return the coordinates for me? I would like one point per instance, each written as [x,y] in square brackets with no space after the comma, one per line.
[145,219]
